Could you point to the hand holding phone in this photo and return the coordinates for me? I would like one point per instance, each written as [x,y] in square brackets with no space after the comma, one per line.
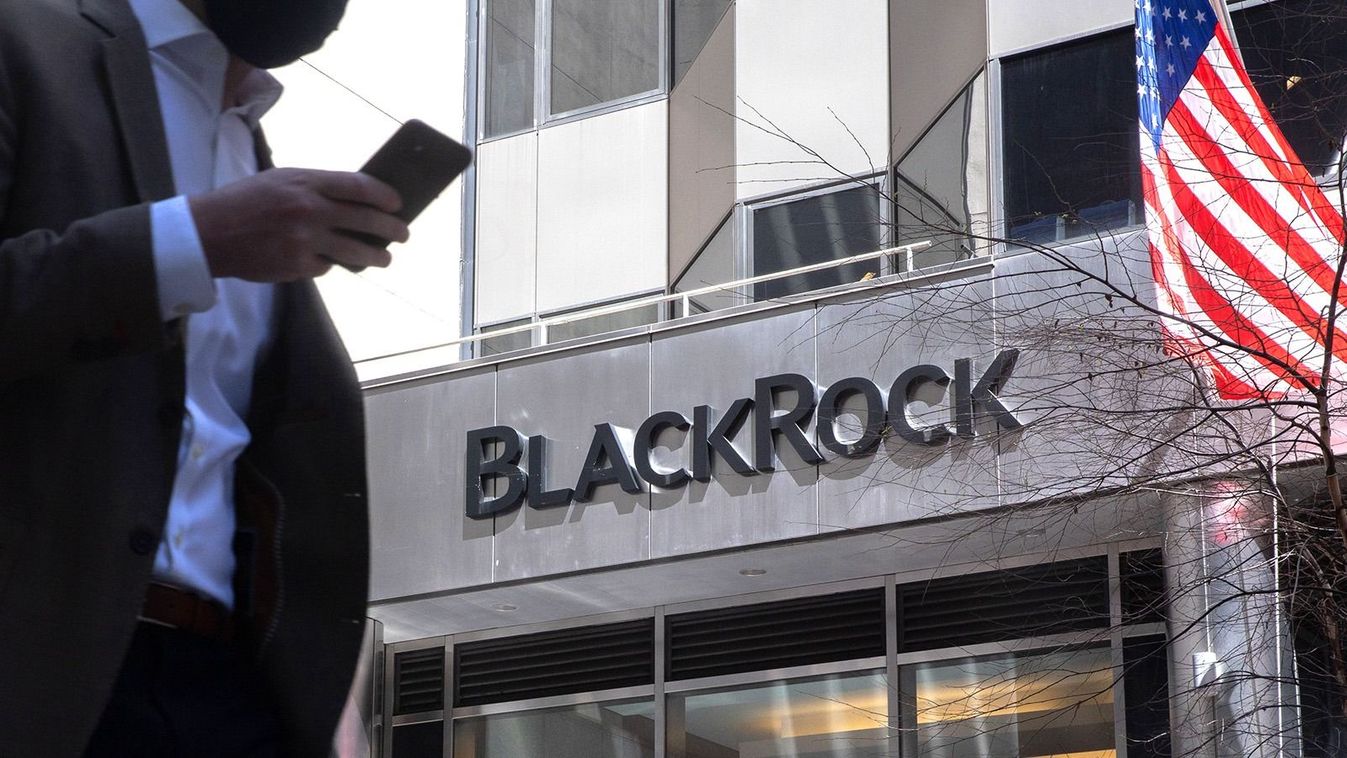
[419,162]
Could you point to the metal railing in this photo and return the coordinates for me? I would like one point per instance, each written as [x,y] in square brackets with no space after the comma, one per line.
[541,328]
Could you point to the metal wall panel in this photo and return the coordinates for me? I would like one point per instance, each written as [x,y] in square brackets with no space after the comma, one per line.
[562,398]
[935,48]
[420,539]
[715,366]
[507,228]
[603,207]
[877,338]
[818,71]
[1014,25]
[701,147]
[1080,382]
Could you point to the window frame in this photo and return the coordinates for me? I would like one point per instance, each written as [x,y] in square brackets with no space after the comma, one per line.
[542,73]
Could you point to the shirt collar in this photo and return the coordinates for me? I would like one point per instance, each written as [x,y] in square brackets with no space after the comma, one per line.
[166,21]
[258,91]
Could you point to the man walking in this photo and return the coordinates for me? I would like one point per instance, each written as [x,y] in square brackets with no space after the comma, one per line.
[183,542]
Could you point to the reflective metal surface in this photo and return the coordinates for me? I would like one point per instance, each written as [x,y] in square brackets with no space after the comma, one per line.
[563,398]
[421,540]
[878,338]
[715,366]
[436,571]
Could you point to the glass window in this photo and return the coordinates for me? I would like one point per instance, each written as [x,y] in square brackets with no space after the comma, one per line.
[694,21]
[509,66]
[1038,704]
[1146,693]
[843,715]
[813,230]
[713,265]
[1071,141]
[611,322]
[603,51]
[940,187]
[593,730]
[424,740]
[506,342]
[1296,54]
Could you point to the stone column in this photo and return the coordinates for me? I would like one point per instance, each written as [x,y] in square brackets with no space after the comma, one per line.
[1227,628]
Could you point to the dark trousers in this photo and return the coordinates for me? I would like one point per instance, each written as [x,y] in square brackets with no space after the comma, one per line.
[183,695]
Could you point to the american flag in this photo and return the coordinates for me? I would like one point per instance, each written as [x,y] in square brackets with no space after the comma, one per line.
[1244,244]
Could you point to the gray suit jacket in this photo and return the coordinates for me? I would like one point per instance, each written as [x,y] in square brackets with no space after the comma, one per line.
[91,403]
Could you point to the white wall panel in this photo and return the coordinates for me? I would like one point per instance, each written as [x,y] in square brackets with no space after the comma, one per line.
[795,60]
[507,227]
[603,206]
[1017,24]
[701,147]
[938,46]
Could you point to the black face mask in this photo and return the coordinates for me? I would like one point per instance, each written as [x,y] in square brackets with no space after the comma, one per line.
[271,33]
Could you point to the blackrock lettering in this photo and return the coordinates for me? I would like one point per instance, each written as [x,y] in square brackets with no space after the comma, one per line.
[617,457]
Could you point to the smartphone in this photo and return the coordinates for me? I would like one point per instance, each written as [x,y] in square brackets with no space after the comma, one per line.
[419,163]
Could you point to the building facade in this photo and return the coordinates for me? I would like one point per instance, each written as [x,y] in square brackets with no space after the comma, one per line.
[710,479]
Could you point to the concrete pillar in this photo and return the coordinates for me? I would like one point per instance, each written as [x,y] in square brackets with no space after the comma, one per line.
[1228,632]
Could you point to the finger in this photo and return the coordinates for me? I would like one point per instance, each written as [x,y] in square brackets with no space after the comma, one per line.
[367,220]
[350,252]
[353,187]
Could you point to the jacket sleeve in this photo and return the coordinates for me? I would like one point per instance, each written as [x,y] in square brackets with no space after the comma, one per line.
[82,294]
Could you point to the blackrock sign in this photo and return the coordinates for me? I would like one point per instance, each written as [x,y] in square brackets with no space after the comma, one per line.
[497,452]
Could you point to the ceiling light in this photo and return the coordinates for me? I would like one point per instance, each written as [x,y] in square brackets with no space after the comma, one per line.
[504,607]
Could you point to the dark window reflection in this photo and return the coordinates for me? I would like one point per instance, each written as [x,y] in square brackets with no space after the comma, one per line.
[1071,140]
[814,230]
[1296,54]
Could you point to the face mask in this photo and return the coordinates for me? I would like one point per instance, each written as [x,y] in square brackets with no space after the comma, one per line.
[271,33]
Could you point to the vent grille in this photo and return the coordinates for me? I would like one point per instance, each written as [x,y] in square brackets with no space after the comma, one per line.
[1143,586]
[418,681]
[776,635]
[1001,605]
[583,659]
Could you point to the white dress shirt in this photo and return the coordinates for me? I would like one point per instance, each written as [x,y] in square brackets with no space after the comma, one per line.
[228,320]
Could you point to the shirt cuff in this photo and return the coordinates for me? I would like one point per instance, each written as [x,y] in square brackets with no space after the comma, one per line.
[182,276]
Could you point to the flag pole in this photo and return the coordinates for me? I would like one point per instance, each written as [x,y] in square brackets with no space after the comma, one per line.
[1223,10]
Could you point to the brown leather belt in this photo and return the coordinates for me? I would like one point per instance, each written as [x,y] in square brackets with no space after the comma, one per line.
[179,608]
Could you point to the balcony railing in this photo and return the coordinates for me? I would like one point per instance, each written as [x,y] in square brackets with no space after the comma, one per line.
[371,370]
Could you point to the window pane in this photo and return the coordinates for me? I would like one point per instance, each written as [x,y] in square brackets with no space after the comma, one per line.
[509,66]
[1146,688]
[506,342]
[693,23]
[1071,141]
[814,230]
[593,730]
[603,51]
[843,715]
[713,265]
[638,316]
[940,192]
[1296,53]
[1058,703]
[425,740]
